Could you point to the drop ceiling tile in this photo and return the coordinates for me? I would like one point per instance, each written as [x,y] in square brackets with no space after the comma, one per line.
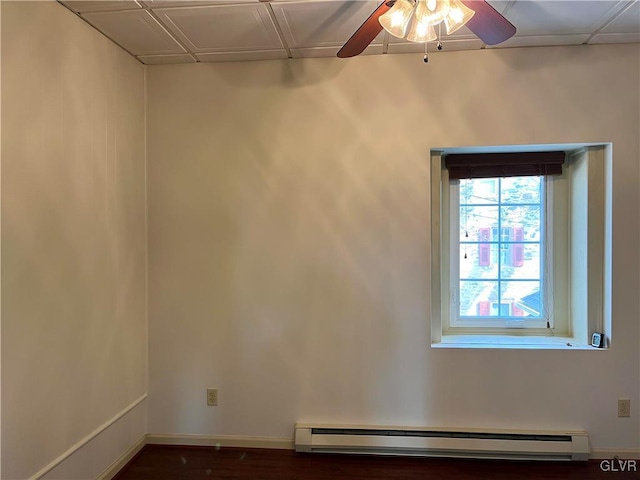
[82,6]
[136,31]
[627,22]
[315,52]
[561,17]
[165,59]
[542,40]
[222,28]
[502,6]
[405,47]
[322,23]
[242,56]
[450,45]
[615,38]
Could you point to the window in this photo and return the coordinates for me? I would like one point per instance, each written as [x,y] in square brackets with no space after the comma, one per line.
[521,246]
[498,263]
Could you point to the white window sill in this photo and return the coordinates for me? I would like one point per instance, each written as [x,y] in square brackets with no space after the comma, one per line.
[511,342]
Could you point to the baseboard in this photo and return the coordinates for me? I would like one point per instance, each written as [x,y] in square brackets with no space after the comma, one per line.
[221,441]
[607,453]
[62,461]
[125,458]
[287,444]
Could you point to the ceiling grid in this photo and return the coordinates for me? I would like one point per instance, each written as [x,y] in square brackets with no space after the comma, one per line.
[188,31]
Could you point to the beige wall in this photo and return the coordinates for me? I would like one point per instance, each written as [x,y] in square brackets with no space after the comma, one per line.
[289,230]
[289,241]
[74,330]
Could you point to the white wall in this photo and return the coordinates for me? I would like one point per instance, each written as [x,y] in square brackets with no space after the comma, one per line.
[289,240]
[74,329]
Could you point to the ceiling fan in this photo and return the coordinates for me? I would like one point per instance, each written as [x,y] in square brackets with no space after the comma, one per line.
[482,19]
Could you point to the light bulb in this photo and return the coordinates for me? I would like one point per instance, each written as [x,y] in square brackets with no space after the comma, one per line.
[431,12]
[421,32]
[396,20]
[459,14]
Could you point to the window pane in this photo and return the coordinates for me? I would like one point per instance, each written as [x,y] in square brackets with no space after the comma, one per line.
[476,223]
[475,297]
[478,261]
[520,190]
[523,222]
[479,190]
[523,297]
[520,261]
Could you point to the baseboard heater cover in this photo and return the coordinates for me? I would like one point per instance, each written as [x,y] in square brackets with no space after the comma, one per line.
[440,442]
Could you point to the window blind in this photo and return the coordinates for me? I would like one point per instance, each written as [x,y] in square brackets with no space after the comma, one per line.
[513,164]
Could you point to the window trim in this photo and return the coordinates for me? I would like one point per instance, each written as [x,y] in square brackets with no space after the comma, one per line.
[596,306]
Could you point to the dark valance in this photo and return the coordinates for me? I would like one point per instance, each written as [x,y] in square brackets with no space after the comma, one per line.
[514,164]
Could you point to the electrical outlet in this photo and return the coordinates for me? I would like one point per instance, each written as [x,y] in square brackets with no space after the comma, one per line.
[624,407]
[212,397]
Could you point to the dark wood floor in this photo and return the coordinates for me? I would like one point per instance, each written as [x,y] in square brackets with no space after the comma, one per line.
[156,462]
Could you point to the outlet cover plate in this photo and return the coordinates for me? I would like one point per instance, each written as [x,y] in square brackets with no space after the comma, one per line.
[624,407]
[212,397]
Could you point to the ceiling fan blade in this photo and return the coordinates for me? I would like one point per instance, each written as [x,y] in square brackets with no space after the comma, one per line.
[366,33]
[488,24]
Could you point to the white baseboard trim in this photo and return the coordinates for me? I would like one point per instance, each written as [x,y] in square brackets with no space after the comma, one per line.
[119,464]
[81,443]
[607,454]
[221,441]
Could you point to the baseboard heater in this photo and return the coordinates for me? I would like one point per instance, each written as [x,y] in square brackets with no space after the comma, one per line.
[440,442]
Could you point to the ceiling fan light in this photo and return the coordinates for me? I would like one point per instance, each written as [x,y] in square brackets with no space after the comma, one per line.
[458,15]
[421,32]
[431,12]
[396,20]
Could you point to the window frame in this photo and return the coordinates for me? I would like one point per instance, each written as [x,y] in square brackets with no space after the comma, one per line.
[478,323]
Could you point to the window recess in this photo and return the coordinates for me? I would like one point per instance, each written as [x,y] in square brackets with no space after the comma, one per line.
[514,231]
